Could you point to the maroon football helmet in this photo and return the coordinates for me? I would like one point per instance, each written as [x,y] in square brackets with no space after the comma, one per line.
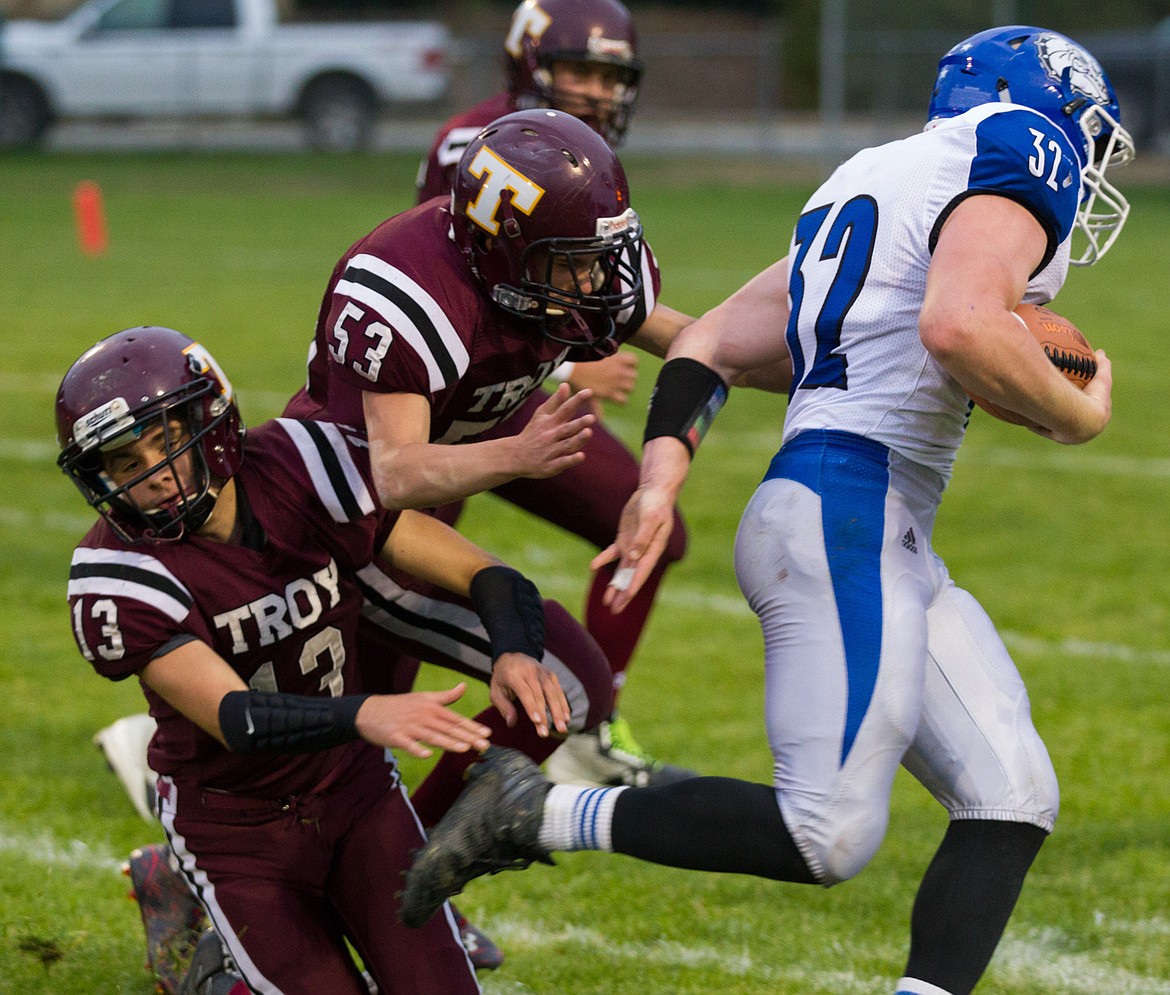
[594,32]
[542,213]
[119,389]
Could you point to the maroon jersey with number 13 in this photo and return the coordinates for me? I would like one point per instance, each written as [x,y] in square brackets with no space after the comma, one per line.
[282,608]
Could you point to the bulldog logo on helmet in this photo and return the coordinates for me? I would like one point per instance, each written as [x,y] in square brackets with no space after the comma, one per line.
[1058,55]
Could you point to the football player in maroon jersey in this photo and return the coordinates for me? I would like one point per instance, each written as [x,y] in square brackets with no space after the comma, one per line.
[581,57]
[227,575]
[438,328]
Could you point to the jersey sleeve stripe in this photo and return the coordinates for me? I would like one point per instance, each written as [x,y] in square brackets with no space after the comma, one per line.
[335,476]
[129,575]
[412,312]
[441,625]
[437,376]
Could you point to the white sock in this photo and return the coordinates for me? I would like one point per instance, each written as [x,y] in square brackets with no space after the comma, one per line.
[578,818]
[912,986]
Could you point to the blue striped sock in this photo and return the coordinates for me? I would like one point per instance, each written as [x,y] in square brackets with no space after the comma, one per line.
[578,818]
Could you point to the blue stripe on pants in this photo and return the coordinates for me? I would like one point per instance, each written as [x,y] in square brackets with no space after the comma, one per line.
[851,476]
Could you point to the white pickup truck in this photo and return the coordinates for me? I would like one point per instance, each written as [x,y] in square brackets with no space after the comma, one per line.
[214,58]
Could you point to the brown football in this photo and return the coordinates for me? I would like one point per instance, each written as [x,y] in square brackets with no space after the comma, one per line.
[1064,345]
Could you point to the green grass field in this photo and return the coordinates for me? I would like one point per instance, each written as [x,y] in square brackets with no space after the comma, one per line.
[1066,548]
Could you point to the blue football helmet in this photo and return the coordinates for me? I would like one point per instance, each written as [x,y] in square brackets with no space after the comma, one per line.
[1051,74]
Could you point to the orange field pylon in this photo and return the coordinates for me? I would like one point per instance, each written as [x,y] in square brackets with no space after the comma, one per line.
[91,218]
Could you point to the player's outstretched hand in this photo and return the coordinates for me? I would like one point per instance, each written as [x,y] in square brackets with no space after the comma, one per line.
[412,721]
[646,522]
[645,527]
[611,379]
[552,440]
[517,678]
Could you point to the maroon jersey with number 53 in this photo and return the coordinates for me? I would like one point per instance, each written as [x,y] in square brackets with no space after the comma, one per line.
[403,313]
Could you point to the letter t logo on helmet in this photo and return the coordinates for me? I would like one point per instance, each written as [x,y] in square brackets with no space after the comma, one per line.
[499,177]
[529,21]
[541,212]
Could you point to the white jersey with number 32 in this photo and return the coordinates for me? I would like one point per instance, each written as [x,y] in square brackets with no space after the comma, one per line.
[858,264]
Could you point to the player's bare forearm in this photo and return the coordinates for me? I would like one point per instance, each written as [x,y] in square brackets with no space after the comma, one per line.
[978,274]
[659,330]
[431,550]
[192,679]
[417,474]
[742,339]
[776,378]
[424,475]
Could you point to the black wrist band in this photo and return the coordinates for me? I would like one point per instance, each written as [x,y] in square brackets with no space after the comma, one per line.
[261,722]
[686,399]
[510,607]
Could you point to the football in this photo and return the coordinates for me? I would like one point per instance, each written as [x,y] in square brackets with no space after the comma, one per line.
[1063,343]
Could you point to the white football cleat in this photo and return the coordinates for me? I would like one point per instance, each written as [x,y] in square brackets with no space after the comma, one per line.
[609,756]
[124,744]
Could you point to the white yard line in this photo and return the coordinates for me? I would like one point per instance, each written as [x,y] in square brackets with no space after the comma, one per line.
[1083,648]
[1043,957]
[44,850]
[45,384]
[1064,460]
[1038,956]
[29,383]
[1061,460]
[514,934]
[29,450]
[46,521]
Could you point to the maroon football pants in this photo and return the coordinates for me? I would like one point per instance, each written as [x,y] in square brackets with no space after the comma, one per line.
[287,882]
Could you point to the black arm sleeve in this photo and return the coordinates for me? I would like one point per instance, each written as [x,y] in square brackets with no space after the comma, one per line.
[260,722]
[511,610]
[685,400]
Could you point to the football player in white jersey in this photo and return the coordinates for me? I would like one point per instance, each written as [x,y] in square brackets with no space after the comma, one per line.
[897,299]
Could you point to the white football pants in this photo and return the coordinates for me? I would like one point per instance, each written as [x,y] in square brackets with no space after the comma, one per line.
[873,657]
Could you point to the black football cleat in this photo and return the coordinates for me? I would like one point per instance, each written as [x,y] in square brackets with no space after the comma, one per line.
[493,826]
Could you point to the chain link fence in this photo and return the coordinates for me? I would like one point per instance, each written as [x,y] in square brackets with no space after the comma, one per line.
[716,86]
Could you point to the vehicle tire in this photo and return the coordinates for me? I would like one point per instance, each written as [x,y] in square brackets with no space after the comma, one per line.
[24,113]
[338,112]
